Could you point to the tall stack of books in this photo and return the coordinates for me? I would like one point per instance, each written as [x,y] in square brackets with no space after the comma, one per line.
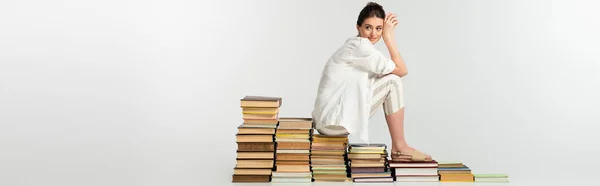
[490,177]
[415,171]
[255,139]
[369,163]
[292,161]
[455,172]
[328,158]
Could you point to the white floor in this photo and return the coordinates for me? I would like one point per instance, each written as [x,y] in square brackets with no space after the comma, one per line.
[557,182]
[381,184]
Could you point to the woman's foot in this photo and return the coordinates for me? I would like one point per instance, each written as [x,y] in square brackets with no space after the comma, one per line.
[407,153]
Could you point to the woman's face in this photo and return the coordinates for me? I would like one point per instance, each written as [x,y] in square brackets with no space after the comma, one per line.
[371,29]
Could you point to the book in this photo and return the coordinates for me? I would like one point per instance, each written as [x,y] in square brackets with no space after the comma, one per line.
[369,168]
[491,178]
[261,101]
[454,171]
[292,159]
[255,139]
[415,171]
[328,157]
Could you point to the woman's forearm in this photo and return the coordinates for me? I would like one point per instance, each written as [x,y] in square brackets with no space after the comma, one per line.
[400,69]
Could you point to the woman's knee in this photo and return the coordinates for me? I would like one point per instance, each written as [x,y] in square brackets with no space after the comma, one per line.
[395,80]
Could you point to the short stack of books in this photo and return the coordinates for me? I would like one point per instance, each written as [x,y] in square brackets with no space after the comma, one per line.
[328,157]
[369,163]
[454,172]
[415,171]
[490,177]
[255,139]
[292,160]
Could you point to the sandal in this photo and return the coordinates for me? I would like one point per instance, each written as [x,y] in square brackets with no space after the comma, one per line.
[415,155]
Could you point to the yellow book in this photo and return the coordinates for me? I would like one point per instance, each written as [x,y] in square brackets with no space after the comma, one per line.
[259,109]
[259,112]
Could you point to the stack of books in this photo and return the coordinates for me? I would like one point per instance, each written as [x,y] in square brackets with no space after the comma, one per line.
[255,139]
[328,158]
[292,160]
[415,171]
[490,177]
[455,172]
[369,163]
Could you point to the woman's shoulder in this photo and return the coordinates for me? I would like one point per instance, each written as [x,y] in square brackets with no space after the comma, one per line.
[360,44]
[353,47]
[358,40]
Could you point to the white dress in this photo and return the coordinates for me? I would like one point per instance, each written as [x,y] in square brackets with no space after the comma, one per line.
[344,96]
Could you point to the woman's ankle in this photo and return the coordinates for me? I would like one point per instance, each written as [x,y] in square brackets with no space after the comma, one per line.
[400,146]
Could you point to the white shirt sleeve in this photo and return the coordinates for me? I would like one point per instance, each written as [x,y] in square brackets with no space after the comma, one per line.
[366,56]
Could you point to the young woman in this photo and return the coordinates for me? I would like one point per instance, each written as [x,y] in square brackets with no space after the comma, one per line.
[358,79]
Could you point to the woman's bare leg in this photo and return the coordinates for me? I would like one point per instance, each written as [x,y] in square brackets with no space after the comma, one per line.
[388,92]
[395,123]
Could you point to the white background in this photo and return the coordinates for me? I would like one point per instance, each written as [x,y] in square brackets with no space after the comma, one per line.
[134,92]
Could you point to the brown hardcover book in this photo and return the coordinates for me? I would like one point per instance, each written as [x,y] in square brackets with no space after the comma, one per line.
[261,101]
[295,123]
[325,157]
[367,169]
[328,152]
[328,161]
[341,144]
[260,110]
[331,136]
[293,145]
[330,171]
[293,131]
[256,146]
[381,160]
[242,163]
[260,116]
[260,121]
[255,130]
[251,178]
[292,137]
[331,167]
[291,157]
[290,162]
[255,155]
[353,165]
[327,148]
[318,138]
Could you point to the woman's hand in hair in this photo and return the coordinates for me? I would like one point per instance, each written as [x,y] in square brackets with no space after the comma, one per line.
[389,23]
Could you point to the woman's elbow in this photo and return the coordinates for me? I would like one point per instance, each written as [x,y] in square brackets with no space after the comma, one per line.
[403,73]
[400,72]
